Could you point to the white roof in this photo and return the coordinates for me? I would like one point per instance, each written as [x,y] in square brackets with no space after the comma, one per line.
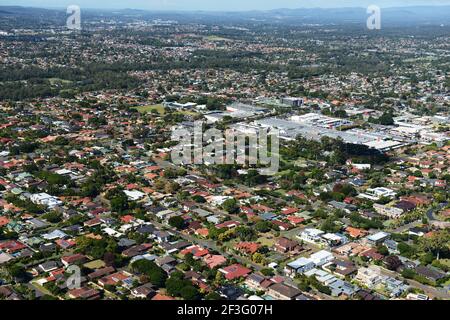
[383,144]
[313,232]
[378,236]
[4,257]
[300,262]
[332,237]
[134,194]
[320,255]
[63,171]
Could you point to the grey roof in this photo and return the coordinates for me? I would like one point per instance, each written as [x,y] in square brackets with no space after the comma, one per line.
[124,242]
[285,290]
[38,224]
[256,277]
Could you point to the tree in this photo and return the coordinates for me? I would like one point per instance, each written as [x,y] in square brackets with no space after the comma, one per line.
[383,250]
[53,217]
[157,275]
[120,203]
[213,296]
[171,187]
[90,189]
[427,258]
[329,226]
[17,271]
[230,206]
[438,243]
[189,292]
[268,272]
[408,273]
[177,286]
[262,226]
[257,257]
[386,119]
[218,279]
[214,233]
[177,222]
[95,248]
[199,199]
[392,262]
[245,233]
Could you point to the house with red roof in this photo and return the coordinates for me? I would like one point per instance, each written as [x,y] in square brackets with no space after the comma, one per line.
[65,244]
[3,221]
[11,246]
[261,208]
[247,247]
[235,271]
[114,279]
[213,261]
[73,259]
[289,211]
[162,297]
[84,293]
[127,219]
[372,254]
[295,220]
[196,251]
[228,224]
[283,226]
[355,232]
[202,232]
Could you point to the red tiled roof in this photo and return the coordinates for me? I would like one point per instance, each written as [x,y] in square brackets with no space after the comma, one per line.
[160,296]
[196,251]
[295,220]
[228,224]
[235,271]
[12,246]
[289,211]
[213,261]
[3,221]
[127,218]
[73,258]
[247,247]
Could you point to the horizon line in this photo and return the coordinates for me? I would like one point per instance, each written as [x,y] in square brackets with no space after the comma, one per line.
[224,11]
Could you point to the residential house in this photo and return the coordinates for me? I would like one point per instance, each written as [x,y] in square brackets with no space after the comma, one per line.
[283,292]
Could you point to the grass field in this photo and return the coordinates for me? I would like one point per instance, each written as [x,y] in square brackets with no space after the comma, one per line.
[149,108]
[96,264]
[216,38]
[266,242]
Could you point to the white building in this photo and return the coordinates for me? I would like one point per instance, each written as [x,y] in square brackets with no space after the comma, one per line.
[322,257]
[378,193]
[134,195]
[311,235]
[368,277]
[301,265]
[45,200]
[391,212]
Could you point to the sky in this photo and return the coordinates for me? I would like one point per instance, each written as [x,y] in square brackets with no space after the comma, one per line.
[219,5]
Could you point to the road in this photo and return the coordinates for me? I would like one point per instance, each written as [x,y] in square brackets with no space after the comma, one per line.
[430,291]
[407,226]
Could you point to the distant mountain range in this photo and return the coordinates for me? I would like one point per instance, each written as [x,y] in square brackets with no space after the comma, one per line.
[401,15]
